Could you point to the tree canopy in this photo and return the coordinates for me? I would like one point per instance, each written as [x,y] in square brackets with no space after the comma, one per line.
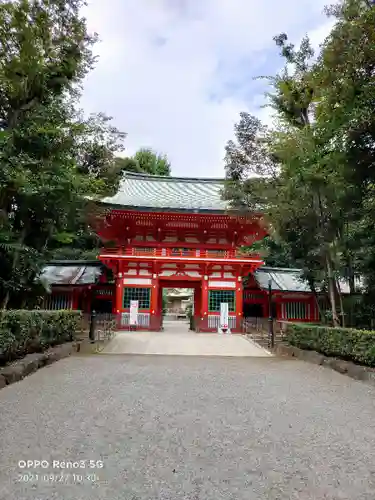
[52,158]
[313,171]
[146,161]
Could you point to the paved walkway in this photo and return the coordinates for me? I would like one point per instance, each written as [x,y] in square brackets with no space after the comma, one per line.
[171,326]
[185,344]
[192,428]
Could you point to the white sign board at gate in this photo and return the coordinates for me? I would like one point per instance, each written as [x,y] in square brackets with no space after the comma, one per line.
[133,314]
[224,315]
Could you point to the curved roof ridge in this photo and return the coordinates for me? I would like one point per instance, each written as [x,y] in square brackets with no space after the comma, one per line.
[152,177]
[280,269]
[145,192]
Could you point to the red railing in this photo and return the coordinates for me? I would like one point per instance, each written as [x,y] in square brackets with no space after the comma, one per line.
[179,252]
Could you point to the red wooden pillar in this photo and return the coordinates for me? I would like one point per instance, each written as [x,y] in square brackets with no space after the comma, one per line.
[156,306]
[75,298]
[239,303]
[119,292]
[204,303]
[118,299]
[279,310]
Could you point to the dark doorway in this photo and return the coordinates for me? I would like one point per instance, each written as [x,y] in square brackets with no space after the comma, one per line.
[80,302]
[253,310]
[102,306]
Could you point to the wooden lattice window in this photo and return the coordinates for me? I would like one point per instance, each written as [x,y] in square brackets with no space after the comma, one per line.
[216,297]
[141,294]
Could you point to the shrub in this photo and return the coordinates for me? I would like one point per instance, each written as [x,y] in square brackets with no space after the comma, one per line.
[23,332]
[346,343]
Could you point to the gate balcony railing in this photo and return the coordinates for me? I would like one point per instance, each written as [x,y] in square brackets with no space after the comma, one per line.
[180,252]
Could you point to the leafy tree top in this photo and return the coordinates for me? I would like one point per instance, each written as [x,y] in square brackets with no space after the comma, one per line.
[146,161]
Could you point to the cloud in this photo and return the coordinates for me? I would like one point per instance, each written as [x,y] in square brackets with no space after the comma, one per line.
[175,74]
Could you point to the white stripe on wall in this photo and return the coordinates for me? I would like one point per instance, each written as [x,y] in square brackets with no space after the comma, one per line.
[222,284]
[137,281]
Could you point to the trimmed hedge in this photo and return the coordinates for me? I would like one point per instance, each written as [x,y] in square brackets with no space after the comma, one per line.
[345,343]
[23,332]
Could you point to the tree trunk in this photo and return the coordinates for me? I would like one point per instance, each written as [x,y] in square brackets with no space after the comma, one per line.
[337,284]
[6,300]
[16,257]
[332,290]
[351,288]
[316,297]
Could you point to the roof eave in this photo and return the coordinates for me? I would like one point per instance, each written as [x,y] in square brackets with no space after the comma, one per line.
[163,209]
[96,263]
[229,211]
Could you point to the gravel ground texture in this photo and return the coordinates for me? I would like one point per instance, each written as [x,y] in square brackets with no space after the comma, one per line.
[195,428]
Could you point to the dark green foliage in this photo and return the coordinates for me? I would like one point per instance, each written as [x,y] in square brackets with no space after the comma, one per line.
[274,253]
[54,162]
[83,243]
[52,158]
[23,332]
[345,343]
[318,196]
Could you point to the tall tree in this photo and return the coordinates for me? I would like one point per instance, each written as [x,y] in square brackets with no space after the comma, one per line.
[345,82]
[153,163]
[51,158]
[324,205]
[146,161]
[292,176]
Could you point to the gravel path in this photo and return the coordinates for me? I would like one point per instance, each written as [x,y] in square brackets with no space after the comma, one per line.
[188,428]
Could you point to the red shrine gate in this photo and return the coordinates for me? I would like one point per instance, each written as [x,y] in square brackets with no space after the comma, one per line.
[175,232]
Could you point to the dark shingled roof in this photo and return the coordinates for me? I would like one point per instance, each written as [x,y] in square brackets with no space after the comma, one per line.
[290,280]
[169,193]
[282,279]
[70,273]
[80,272]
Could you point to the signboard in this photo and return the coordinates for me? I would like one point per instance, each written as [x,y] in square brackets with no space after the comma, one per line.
[224,315]
[133,316]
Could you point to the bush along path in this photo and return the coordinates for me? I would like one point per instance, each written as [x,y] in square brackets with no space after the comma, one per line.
[346,350]
[30,340]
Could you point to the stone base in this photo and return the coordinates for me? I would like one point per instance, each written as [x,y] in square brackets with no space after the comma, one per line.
[358,372]
[19,369]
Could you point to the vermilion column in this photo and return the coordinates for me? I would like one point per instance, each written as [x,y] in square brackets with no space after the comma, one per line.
[239,303]
[119,294]
[75,299]
[204,304]
[118,302]
[155,296]
[156,305]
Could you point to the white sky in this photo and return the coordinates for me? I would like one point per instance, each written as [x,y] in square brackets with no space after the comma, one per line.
[174,74]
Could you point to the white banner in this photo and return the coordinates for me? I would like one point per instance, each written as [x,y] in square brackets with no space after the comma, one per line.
[133,313]
[224,315]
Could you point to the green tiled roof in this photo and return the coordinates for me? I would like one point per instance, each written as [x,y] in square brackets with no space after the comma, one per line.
[169,193]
